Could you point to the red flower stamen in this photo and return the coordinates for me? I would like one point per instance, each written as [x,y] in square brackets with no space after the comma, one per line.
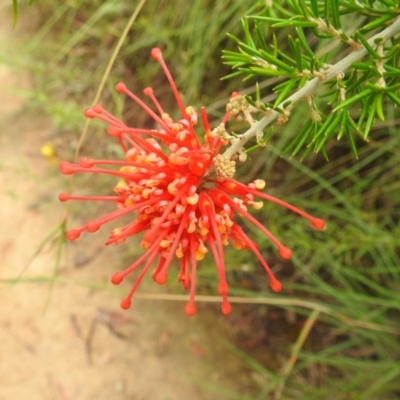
[157,55]
[179,208]
[121,88]
[149,92]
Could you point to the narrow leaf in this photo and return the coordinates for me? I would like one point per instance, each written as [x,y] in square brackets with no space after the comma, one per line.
[15,12]
[314,8]
[260,36]
[377,23]
[367,46]
[304,42]
[335,14]
[352,143]
[295,22]
[299,56]
[371,117]
[379,106]
[276,61]
[287,88]
[353,99]
[394,98]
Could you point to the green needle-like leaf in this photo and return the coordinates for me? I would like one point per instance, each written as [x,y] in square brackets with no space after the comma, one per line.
[328,126]
[371,116]
[327,12]
[299,56]
[246,29]
[273,60]
[261,38]
[379,106]
[352,143]
[265,71]
[353,99]
[334,5]
[304,42]
[284,92]
[379,22]
[394,98]
[305,11]
[295,22]
[314,8]
[365,43]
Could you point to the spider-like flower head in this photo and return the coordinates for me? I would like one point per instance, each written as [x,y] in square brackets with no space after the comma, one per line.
[180,194]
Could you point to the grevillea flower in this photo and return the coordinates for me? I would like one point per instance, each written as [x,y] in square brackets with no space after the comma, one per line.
[180,194]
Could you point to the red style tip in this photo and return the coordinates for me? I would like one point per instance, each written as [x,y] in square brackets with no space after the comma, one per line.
[73,234]
[97,108]
[190,309]
[161,278]
[126,304]
[148,91]
[117,278]
[66,168]
[92,226]
[86,162]
[276,286]
[285,253]
[156,53]
[120,87]
[63,197]
[89,113]
[318,223]
[114,131]
[150,236]
[226,308]
[223,288]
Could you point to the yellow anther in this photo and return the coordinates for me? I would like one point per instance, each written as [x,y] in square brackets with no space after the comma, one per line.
[257,204]
[165,117]
[201,251]
[121,187]
[238,246]
[199,256]
[151,158]
[128,202]
[127,169]
[193,199]
[192,227]
[192,114]
[201,248]
[165,243]
[146,193]
[172,189]
[176,128]
[152,183]
[259,184]
[179,252]
[144,244]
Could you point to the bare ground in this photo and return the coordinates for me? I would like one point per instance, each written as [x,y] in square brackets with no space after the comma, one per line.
[74,342]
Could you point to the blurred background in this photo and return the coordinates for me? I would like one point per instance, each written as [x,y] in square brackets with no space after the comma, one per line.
[333,331]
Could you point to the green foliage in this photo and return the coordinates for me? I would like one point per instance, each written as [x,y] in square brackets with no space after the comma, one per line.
[352,268]
[306,46]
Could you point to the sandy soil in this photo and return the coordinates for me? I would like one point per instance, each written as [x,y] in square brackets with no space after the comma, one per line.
[80,346]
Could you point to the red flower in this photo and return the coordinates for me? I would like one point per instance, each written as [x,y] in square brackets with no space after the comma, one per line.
[183,200]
